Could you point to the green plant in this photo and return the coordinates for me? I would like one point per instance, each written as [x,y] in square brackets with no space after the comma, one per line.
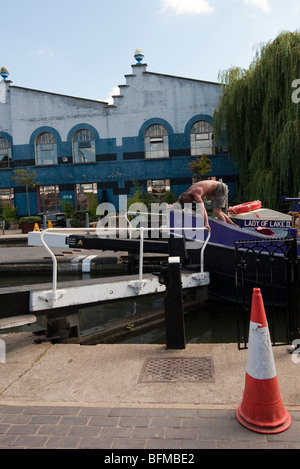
[139,196]
[30,219]
[9,213]
[92,203]
[67,207]
[170,197]
[78,219]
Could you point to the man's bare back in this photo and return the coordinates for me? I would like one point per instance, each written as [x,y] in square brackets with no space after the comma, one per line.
[202,189]
[206,188]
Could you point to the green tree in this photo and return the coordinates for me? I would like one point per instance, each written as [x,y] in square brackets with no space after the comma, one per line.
[200,166]
[9,213]
[259,122]
[26,178]
[139,196]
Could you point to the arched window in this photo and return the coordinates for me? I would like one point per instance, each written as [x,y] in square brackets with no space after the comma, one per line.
[202,139]
[46,149]
[84,147]
[5,153]
[156,142]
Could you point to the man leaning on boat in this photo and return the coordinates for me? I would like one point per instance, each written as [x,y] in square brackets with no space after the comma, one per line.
[208,188]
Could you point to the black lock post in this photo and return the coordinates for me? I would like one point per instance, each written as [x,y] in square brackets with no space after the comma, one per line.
[174,317]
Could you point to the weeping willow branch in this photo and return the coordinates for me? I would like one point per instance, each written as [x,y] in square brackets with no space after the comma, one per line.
[262,122]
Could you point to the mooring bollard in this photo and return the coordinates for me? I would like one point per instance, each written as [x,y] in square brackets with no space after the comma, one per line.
[174,317]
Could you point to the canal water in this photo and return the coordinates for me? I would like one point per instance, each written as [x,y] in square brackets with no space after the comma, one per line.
[215,321]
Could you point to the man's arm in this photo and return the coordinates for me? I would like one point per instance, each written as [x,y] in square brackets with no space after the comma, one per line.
[198,199]
[206,224]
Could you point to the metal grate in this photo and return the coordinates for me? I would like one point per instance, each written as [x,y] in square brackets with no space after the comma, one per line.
[165,370]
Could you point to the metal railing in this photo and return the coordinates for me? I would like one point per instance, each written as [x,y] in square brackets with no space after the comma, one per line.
[169,229]
[273,267]
[106,231]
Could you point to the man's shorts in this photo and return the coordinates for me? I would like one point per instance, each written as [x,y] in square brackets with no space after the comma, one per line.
[220,195]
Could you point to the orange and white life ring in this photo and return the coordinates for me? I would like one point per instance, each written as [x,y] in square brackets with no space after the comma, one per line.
[244,208]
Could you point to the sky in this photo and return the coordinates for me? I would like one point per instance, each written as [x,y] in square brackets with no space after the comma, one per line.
[84,48]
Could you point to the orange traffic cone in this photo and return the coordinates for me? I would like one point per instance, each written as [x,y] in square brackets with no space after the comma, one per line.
[261,409]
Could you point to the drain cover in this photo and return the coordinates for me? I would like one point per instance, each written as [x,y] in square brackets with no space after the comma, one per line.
[165,370]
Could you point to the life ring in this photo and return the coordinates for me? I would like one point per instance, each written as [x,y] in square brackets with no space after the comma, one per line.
[244,208]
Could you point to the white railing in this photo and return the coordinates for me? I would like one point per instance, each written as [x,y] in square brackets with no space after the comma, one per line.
[102,230]
[129,212]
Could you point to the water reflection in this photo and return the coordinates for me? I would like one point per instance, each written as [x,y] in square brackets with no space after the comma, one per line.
[212,322]
[107,314]
[21,278]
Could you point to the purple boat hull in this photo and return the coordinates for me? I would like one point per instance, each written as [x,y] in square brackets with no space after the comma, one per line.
[223,263]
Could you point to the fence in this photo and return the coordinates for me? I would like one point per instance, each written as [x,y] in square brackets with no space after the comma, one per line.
[273,267]
[103,231]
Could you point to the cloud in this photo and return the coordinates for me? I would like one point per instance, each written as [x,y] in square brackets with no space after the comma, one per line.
[182,7]
[263,4]
[113,92]
[43,53]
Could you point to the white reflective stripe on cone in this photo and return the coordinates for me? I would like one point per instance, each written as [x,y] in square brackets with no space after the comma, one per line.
[260,360]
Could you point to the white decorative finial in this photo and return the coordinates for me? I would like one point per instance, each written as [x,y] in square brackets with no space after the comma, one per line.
[4,73]
[138,55]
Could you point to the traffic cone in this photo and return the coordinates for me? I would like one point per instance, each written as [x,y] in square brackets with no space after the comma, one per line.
[261,409]
[50,224]
[36,227]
